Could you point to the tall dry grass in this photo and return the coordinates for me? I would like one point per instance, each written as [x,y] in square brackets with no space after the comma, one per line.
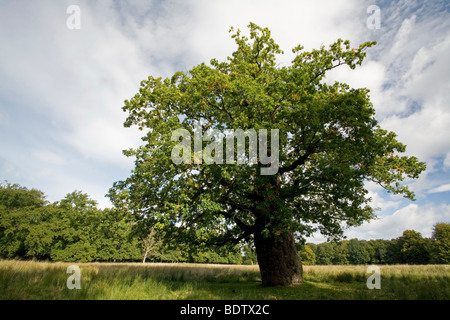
[109,281]
[47,280]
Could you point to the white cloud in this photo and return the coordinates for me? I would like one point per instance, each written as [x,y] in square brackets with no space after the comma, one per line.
[3,119]
[316,238]
[442,188]
[414,49]
[380,203]
[371,75]
[310,23]
[48,157]
[78,78]
[425,132]
[447,161]
[402,38]
[412,217]
[415,101]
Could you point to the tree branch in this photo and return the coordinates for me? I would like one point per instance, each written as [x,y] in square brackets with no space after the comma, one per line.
[300,161]
[321,73]
[223,109]
[243,236]
[245,227]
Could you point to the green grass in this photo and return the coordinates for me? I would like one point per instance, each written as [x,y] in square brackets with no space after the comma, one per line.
[26,280]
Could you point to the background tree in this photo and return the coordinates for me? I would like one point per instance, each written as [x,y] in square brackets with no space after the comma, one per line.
[14,196]
[116,238]
[249,254]
[413,248]
[151,245]
[330,145]
[393,254]
[18,213]
[307,255]
[341,254]
[41,232]
[73,229]
[325,253]
[440,252]
[379,251]
[358,252]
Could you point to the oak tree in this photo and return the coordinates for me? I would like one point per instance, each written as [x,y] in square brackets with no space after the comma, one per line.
[330,145]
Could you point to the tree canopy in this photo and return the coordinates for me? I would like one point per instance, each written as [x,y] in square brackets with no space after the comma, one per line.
[331,143]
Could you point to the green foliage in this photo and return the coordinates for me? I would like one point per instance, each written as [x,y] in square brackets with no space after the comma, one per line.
[410,248]
[73,229]
[359,252]
[14,196]
[384,252]
[249,254]
[20,211]
[440,252]
[341,254]
[325,253]
[14,225]
[329,253]
[413,248]
[307,255]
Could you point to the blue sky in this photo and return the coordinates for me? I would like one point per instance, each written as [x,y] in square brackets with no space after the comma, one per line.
[61,90]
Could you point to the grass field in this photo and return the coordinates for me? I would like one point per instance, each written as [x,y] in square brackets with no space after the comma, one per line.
[27,280]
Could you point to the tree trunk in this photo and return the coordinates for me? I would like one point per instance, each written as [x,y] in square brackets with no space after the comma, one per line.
[278,260]
[145,255]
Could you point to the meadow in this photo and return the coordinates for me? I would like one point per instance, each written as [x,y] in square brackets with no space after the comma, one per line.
[32,280]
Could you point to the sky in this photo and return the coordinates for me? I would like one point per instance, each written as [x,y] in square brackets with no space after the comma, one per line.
[65,73]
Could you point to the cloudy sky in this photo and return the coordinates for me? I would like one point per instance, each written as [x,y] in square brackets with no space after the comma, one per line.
[62,87]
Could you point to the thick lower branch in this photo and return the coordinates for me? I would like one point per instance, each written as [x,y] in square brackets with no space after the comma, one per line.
[299,161]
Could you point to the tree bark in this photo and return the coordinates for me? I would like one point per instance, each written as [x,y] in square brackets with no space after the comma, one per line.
[145,255]
[279,263]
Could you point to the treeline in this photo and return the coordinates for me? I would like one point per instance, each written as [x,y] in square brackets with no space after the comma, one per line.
[410,248]
[74,229]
